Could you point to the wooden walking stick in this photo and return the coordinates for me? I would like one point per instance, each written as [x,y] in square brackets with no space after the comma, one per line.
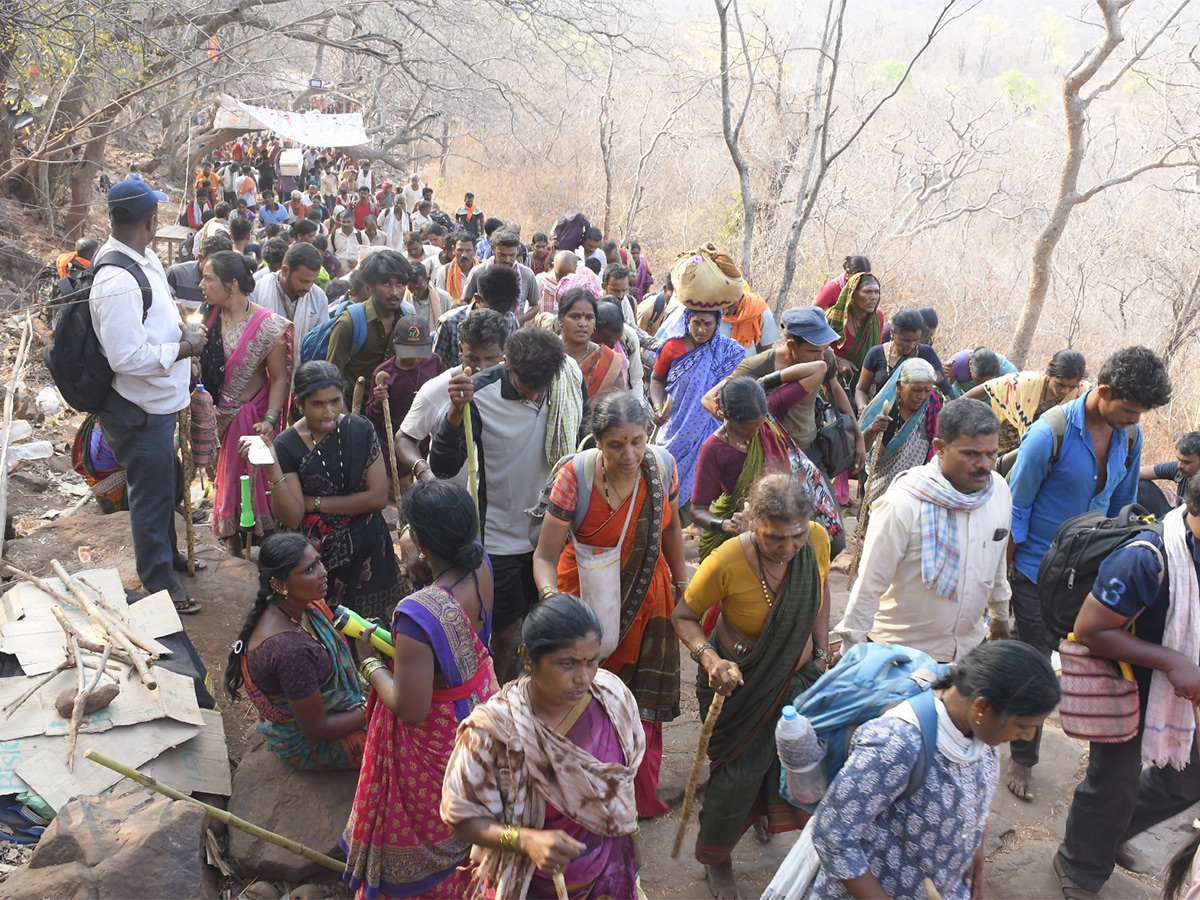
[360,388]
[706,732]
[560,886]
[185,450]
[380,381]
[217,813]
[860,530]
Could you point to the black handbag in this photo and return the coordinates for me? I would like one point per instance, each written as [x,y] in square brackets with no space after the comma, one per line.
[837,434]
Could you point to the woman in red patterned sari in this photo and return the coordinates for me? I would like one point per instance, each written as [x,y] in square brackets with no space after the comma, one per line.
[247,365]
[396,843]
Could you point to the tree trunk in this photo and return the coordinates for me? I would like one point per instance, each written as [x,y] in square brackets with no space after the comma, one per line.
[732,134]
[75,217]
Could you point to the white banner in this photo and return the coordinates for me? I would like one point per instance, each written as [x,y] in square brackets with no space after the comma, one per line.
[310,128]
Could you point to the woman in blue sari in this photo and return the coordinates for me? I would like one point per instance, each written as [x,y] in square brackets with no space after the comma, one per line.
[692,359]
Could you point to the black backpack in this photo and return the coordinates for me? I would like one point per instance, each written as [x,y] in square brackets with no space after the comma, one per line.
[75,358]
[1069,568]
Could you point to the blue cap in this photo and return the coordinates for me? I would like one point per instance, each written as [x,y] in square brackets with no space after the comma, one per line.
[809,324]
[134,198]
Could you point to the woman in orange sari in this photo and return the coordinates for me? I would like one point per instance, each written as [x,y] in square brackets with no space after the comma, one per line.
[630,497]
[601,366]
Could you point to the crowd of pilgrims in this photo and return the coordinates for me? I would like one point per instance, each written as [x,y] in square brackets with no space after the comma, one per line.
[598,414]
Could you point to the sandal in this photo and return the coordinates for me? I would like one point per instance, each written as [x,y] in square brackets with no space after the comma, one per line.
[181,563]
[1070,890]
[186,607]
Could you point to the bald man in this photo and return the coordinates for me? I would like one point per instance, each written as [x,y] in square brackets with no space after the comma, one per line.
[565,263]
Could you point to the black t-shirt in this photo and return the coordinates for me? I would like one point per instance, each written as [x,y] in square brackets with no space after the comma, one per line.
[876,362]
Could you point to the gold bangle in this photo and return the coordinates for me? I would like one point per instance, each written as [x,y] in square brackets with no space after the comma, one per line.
[547,591]
[509,835]
[369,666]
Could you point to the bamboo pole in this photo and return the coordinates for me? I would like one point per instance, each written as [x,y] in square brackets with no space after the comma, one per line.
[85,642]
[667,404]
[560,886]
[860,530]
[356,401]
[9,400]
[185,451]
[380,380]
[68,663]
[220,815]
[472,461]
[706,732]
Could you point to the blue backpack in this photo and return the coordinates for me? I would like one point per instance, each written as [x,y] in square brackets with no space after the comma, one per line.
[868,681]
[316,343]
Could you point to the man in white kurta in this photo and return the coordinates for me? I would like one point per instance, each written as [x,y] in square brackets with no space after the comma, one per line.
[935,556]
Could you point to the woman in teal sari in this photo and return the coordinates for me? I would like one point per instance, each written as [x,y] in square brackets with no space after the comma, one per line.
[296,666]
[902,437]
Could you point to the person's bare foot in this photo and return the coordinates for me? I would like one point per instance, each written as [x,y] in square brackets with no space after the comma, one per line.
[762,830]
[721,883]
[1018,778]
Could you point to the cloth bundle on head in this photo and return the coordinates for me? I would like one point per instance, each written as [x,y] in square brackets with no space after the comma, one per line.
[576,280]
[706,279]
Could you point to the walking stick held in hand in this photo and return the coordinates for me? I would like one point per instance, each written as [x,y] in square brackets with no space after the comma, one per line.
[666,411]
[360,388]
[472,461]
[380,381]
[860,530]
[706,733]
[185,450]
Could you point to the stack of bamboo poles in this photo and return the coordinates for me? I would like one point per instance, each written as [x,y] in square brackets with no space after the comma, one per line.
[121,651]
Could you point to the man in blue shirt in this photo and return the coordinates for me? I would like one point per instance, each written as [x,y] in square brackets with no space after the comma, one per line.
[271,212]
[1097,469]
[1112,803]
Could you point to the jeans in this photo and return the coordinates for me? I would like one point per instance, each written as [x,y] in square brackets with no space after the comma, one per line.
[1027,610]
[1113,804]
[144,445]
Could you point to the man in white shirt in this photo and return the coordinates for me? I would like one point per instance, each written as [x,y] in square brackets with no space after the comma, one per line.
[481,337]
[292,292]
[935,557]
[506,245]
[366,178]
[411,192]
[344,240]
[149,355]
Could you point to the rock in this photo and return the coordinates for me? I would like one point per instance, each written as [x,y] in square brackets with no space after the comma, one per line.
[133,844]
[28,481]
[999,829]
[1028,872]
[1059,769]
[1154,848]
[20,267]
[309,807]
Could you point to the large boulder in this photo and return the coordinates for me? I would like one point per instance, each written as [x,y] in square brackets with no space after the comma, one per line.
[309,807]
[131,844]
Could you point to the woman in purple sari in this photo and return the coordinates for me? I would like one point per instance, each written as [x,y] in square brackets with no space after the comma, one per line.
[693,357]
[641,278]
[246,364]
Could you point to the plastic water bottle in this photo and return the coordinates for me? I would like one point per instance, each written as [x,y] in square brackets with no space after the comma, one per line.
[802,756]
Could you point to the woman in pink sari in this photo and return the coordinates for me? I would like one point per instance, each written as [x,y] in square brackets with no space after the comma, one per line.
[246,364]
[396,843]
[641,279]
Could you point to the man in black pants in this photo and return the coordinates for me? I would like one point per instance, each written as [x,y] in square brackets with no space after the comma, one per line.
[149,356]
[1153,578]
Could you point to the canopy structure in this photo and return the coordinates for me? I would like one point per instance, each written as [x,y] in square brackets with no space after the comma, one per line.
[310,128]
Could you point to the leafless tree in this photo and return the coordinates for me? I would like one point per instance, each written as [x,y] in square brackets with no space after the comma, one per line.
[1082,87]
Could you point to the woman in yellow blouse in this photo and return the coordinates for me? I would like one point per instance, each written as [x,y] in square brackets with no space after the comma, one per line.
[764,599]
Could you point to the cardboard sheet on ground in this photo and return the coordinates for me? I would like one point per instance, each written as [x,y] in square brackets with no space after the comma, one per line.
[175,699]
[30,632]
[41,761]
[200,764]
